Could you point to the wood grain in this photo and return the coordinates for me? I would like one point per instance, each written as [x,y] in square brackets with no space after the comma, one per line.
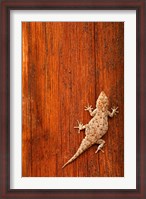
[65,66]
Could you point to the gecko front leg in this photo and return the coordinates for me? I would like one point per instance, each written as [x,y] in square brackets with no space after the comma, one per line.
[89,108]
[80,126]
[114,112]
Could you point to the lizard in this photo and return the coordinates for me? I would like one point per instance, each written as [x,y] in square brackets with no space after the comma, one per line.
[97,126]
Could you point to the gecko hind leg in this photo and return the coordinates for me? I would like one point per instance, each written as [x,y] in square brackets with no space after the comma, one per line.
[101,144]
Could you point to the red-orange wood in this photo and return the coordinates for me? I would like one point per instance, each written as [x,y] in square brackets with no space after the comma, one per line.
[65,66]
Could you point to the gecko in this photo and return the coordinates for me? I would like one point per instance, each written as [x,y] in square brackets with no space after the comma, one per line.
[97,126]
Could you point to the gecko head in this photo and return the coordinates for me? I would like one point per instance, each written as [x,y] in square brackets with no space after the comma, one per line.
[102,101]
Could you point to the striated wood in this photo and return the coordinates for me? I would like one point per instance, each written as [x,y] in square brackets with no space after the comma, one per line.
[109,42]
[65,66]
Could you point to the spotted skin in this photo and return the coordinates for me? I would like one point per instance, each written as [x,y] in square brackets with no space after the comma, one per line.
[97,126]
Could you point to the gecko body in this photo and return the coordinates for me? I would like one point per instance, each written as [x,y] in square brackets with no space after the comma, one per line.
[97,126]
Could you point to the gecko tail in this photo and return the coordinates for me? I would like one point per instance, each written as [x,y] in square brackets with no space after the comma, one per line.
[67,163]
[85,144]
[72,159]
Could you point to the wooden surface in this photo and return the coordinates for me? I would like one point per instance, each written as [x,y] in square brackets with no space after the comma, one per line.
[65,66]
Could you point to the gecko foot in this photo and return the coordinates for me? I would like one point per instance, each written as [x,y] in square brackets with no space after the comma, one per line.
[115,110]
[80,126]
[99,149]
[101,144]
[88,108]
